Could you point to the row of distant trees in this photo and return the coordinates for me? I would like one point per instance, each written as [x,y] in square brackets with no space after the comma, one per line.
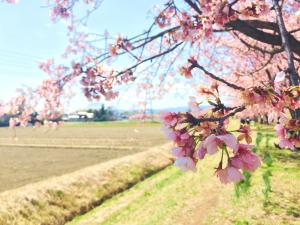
[102,114]
[4,120]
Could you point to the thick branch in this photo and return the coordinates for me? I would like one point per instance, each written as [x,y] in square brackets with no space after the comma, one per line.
[193,6]
[257,48]
[263,25]
[251,29]
[286,44]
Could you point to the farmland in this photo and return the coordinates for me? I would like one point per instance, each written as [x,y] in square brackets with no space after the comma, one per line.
[29,155]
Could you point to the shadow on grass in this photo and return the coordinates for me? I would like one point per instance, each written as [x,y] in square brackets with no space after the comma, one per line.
[282,155]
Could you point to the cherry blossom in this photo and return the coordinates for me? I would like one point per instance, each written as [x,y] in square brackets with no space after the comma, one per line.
[213,142]
[185,163]
[245,159]
[229,174]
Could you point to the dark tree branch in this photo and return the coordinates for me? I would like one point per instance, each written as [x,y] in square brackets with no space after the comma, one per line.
[196,65]
[196,121]
[149,59]
[294,77]
[263,25]
[286,42]
[193,6]
[257,48]
[250,29]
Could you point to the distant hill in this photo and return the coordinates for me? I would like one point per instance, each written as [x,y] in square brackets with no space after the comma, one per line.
[149,111]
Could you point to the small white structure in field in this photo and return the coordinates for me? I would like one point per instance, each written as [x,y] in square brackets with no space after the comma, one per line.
[78,116]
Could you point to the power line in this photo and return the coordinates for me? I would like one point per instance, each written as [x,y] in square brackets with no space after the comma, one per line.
[16,58]
[20,54]
[7,63]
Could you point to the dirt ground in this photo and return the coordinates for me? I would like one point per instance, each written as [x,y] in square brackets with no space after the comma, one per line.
[36,154]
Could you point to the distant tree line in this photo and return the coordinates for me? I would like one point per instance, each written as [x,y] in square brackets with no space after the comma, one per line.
[103,114]
[4,120]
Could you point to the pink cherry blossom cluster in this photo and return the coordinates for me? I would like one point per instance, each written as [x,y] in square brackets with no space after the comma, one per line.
[204,132]
[63,9]
[99,81]
[185,143]
[39,106]
[164,17]
[287,132]
[214,15]
[192,145]
[120,43]
[192,27]
[56,71]
[20,111]
[10,1]
[50,94]
[281,98]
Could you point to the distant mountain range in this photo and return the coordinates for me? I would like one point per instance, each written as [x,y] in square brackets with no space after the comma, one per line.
[154,111]
[174,109]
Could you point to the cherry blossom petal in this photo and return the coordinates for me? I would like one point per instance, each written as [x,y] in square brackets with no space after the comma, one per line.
[230,140]
[185,164]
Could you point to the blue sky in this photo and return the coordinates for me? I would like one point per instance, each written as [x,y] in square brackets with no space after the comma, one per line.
[28,36]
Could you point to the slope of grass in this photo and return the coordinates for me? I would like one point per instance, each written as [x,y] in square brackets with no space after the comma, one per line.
[172,197]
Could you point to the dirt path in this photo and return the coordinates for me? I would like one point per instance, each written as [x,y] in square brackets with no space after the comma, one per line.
[200,207]
[156,201]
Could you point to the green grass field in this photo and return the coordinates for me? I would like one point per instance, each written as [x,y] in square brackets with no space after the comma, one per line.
[175,198]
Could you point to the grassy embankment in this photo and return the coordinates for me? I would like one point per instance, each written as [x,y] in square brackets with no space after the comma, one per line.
[171,197]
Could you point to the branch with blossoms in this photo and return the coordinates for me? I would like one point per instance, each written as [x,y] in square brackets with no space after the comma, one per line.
[203,132]
[37,107]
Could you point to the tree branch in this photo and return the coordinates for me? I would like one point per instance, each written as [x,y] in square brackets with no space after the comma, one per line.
[250,29]
[196,65]
[196,121]
[294,77]
[149,59]
[193,6]
[257,48]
